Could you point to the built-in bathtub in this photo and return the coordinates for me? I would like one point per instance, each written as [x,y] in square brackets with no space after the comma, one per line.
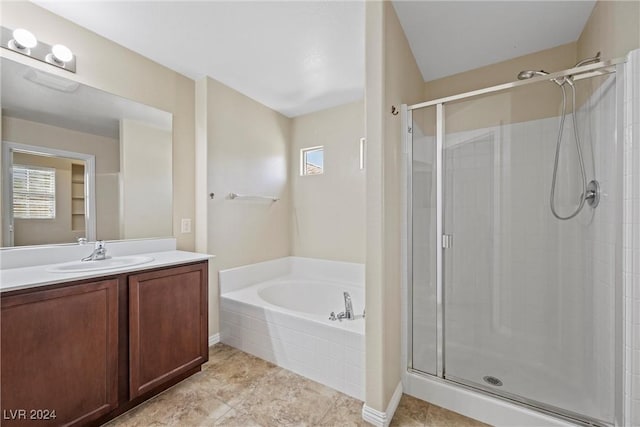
[279,311]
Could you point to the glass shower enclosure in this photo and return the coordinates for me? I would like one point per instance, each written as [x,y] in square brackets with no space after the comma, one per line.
[504,297]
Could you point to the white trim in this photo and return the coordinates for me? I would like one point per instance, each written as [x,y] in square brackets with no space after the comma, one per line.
[377,418]
[214,339]
[631,224]
[406,236]
[303,159]
[383,419]
[438,241]
[7,197]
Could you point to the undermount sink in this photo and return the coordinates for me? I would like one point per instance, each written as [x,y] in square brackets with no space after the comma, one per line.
[105,264]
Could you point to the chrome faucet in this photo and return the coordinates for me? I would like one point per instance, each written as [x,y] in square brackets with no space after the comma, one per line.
[348,310]
[99,252]
[348,307]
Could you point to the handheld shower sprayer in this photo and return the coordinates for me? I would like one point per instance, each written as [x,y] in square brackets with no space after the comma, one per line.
[591,191]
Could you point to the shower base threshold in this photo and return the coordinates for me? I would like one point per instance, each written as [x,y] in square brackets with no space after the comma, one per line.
[572,417]
[551,388]
[487,407]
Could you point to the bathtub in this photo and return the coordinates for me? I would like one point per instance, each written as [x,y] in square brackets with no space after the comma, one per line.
[279,311]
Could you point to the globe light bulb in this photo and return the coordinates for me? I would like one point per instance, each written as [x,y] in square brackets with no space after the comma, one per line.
[24,39]
[61,53]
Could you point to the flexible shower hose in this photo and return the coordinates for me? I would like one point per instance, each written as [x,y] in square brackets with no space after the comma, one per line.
[578,148]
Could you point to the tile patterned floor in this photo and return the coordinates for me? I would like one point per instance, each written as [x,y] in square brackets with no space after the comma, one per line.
[239,390]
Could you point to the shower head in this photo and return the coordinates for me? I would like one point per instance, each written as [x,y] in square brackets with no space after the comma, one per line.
[527,74]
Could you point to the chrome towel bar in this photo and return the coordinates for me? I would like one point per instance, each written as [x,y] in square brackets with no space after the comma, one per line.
[235,196]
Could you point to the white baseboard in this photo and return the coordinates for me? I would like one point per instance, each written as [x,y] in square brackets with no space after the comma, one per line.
[214,339]
[383,419]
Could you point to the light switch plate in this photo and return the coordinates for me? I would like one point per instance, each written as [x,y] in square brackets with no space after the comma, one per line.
[185,225]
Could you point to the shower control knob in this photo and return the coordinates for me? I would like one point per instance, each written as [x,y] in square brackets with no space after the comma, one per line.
[593,193]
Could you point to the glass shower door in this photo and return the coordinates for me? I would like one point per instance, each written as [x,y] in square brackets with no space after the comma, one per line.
[529,299]
[423,283]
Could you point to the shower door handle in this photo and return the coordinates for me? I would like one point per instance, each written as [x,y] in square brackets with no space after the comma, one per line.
[447,241]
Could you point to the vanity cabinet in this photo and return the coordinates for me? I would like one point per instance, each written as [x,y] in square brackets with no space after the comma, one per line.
[59,354]
[84,352]
[167,325]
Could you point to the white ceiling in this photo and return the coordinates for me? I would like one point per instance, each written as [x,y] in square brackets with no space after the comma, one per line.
[449,37]
[302,56]
[295,57]
[83,108]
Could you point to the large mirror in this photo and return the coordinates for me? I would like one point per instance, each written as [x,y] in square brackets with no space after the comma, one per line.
[78,162]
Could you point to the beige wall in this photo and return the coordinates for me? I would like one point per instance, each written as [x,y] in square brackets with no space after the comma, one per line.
[247,153]
[104,149]
[2,201]
[329,209]
[145,181]
[201,166]
[113,68]
[613,29]
[47,231]
[392,78]
[375,396]
[32,133]
[554,59]
[530,102]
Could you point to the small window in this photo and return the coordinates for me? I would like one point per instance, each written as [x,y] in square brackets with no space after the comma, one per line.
[312,161]
[34,192]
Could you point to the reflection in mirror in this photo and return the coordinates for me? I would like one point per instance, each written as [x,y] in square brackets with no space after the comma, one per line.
[47,195]
[80,162]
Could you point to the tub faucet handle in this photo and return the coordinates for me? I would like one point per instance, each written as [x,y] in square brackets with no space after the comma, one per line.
[332,316]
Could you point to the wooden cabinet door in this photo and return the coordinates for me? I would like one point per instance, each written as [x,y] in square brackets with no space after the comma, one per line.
[59,355]
[167,325]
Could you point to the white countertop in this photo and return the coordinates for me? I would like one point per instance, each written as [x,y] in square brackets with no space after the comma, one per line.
[28,277]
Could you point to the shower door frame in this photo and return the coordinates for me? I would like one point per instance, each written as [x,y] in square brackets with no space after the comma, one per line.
[578,73]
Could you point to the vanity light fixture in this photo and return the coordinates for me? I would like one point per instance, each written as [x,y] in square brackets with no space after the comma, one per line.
[60,55]
[24,42]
